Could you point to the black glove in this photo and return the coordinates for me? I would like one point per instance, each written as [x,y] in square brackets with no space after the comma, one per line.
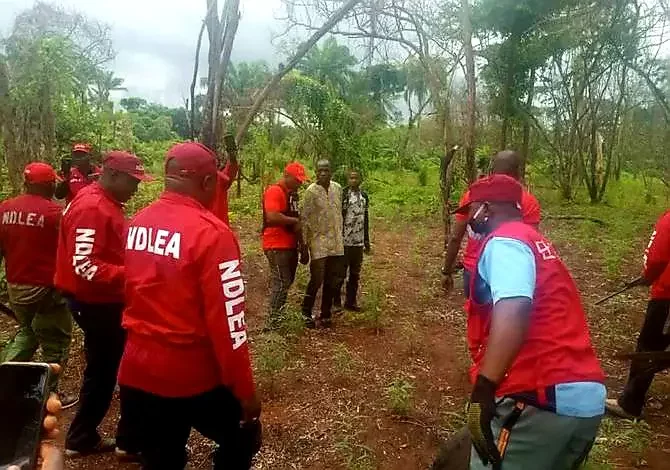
[481,411]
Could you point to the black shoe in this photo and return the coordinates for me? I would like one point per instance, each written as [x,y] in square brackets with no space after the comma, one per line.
[127,455]
[67,401]
[326,323]
[310,323]
[103,446]
[352,308]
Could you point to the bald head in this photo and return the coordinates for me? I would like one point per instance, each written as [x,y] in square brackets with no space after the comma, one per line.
[507,162]
[200,186]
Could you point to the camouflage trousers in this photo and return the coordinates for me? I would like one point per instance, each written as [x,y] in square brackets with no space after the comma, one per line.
[44,323]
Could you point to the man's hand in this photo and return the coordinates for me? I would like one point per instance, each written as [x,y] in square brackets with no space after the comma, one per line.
[481,411]
[50,455]
[251,410]
[304,255]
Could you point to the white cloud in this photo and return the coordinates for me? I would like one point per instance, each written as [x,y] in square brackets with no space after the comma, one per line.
[155,39]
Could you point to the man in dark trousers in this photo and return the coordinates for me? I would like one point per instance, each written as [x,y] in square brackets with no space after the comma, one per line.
[282,237]
[77,174]
[90,272]
[224,180]
[538,391]
[28,240]
[507,163]
[322,230]
[356,225]
[655,334]
[186,363]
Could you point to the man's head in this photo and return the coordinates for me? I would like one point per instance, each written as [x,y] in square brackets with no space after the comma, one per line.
[507,162]
[323,173]
[354,179]
[190,169]
[40,179]
[81,157]
[294,176]
[121,174]
[492,200]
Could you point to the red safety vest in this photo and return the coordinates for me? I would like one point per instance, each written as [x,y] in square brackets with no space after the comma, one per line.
[558,346]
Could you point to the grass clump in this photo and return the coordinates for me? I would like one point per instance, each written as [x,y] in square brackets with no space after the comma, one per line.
[399,396]
[355,456]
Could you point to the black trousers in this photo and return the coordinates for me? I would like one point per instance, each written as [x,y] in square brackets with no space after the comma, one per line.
[326,273]
[653,337]
[283,265]
[164,425]
[353,261]
[104,340]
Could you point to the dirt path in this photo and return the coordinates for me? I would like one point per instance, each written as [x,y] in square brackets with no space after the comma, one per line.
[381,389]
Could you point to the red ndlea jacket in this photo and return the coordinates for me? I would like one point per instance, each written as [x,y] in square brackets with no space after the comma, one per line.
[657,259]
[78,181]
[224,181]
[558,345]
[28,239]
[89,263]
[185,303]
[530,211]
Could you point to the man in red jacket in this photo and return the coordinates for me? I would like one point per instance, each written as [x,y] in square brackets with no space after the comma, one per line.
[224,180]
[507,163]
[186,363]
[654,335]
[538,395]
[78,174]
[28,239]
[89,271]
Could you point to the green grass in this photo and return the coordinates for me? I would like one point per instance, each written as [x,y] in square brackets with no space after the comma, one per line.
[343,361]
[399,395]
[631,436]
[355,456]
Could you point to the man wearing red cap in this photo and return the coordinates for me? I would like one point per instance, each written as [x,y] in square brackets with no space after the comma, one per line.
[507,163]
[538,394]
[282,237]
[28,239]
[186,362]
[89,271]
[224,180]
[77,173]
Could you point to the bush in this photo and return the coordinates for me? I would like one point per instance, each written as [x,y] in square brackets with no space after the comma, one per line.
[399,395]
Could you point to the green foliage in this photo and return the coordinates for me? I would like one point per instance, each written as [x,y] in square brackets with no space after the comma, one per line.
[343,361]
[290,322]
[271,351]
[617,434]
[399,396]
[355,456]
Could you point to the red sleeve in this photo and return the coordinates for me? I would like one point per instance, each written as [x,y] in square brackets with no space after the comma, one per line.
[530,209]
[274,199]
[228,175]
[657,254]
[93,225]
[223,298]
[76,182]
[464,200]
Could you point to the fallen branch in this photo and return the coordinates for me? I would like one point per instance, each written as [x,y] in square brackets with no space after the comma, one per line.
[577,217]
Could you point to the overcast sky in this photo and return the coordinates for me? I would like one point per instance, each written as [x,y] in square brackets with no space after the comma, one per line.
[155,39]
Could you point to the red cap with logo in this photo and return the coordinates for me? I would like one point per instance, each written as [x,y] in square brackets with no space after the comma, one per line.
[296,170]
[81,147]
[125,162]
[190,158]
[39,172]
[494,188]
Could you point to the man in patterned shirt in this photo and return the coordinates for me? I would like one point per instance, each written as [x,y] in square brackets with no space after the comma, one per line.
[356,238]
[322,231]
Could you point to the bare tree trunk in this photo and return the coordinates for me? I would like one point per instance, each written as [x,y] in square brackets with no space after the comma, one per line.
[214,33]
[525,150]
[471,119]
[445,190]
[191,123]
[300,53]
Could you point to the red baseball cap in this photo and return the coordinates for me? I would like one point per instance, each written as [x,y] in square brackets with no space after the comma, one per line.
[81,147]
[190,158]
[296,170]
[39,172]
[494,188]
[125,162]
